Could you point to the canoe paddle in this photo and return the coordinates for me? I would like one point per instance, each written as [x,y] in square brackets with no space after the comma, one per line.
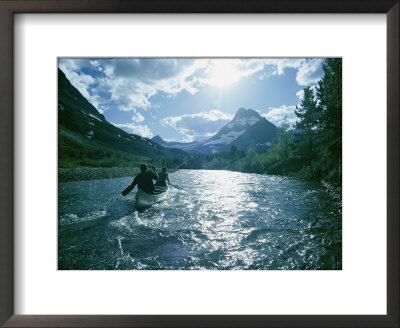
[128,190]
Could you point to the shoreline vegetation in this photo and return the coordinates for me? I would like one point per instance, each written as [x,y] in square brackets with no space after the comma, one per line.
[98,173]
[95,173]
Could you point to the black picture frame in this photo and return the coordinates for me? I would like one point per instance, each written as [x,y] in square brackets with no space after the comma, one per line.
[10,7]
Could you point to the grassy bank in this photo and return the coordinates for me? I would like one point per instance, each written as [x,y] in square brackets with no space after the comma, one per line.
[98,173]
[79,174]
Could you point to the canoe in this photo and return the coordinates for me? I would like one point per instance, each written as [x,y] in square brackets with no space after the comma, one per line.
[144,200]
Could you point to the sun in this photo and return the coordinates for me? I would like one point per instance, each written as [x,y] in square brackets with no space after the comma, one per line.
[223,72]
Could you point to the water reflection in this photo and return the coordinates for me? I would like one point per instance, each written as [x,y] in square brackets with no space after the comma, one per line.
[220,220]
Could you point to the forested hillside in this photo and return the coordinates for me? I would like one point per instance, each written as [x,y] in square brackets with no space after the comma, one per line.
[86,139]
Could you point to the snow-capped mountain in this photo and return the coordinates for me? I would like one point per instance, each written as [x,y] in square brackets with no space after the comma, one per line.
[246,126]
[243,118]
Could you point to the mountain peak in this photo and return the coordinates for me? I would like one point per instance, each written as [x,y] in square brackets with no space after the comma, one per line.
[157,138]
[244,114]
[243,118]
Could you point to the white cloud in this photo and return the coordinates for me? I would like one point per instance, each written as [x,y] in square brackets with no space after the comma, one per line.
[199,125]
[73,64]
[277,66]
[141,130]
[83,82]
[80,81]
[300,94]
[169,139]
[282,64]
[137,117]
[223,72]
[277,115]
[95,100]
[102,108]
[309,72]
[133,82]
[95,63]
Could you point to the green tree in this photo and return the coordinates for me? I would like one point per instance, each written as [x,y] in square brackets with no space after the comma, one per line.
[329,93]
[308,115]
[283,140]
[233,153]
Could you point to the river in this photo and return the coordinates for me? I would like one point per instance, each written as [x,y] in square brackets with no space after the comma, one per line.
[218,220]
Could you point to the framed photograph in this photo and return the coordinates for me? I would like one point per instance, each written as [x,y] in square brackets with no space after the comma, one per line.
[213,181]
[212,164]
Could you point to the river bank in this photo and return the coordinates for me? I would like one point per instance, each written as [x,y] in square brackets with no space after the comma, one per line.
[65,175]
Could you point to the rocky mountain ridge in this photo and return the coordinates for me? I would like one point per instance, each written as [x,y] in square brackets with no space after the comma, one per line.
[246,127]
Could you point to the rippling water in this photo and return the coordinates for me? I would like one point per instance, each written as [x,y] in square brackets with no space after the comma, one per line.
[219,220]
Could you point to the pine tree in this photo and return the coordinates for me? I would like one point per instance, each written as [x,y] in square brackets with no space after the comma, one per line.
[308,115]
[282,146]
[329,93]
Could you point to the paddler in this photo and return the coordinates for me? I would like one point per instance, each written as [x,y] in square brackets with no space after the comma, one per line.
[144,180]
[163,178]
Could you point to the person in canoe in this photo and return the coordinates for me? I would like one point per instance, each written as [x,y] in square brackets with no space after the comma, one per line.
[161,183]
[144,180]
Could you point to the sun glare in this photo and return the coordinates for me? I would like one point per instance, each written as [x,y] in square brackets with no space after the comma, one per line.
[223,72]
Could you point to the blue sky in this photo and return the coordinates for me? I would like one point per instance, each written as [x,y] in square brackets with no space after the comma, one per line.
[190,99]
